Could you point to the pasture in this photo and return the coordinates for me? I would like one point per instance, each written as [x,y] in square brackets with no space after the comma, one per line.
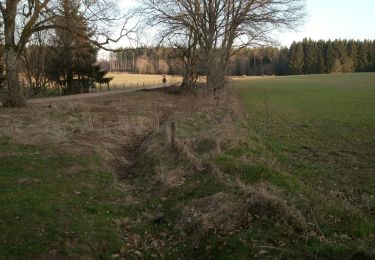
[279,167]
[121,79]
[319,130]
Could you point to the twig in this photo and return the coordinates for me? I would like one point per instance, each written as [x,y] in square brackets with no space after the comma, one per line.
[283,249]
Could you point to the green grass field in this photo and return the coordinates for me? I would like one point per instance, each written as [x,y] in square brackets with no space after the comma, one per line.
[304,143]
[319,123]
[320,129]
[55,201]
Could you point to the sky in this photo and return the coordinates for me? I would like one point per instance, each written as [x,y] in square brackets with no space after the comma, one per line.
[326,19]
[334,19]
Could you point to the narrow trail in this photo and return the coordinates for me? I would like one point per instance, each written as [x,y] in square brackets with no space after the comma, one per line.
[87,95]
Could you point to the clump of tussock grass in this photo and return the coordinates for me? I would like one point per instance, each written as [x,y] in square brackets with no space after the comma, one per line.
[169,178]
[261,202]
[226,213]
[211,214]
[184,152]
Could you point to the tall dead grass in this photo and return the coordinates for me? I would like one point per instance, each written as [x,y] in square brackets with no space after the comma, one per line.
[111,126]
[226,213]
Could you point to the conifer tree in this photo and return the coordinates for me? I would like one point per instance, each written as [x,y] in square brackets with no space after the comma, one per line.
[296,59]
[330,57]
[73,54]
[321,50]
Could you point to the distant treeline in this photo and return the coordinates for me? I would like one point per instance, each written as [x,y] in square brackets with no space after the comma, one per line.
[314,57]
[306,57]
[145,60]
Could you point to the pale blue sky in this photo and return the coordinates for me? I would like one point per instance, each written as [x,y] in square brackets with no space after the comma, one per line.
[326,19]
[332,19]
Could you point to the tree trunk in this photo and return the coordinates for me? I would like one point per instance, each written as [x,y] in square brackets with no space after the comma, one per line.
[188,78]
[15,97]
[216,80]
[69,81]
[216,70]
[186,85]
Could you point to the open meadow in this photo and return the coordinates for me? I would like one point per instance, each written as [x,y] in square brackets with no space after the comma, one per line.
[123,79]
[315,137]
[277,167]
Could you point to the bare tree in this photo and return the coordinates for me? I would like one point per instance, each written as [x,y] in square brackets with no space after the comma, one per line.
[34,61]
[23,18]
[216,29]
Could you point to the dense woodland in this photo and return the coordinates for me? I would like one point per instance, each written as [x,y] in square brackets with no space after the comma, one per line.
[145,60]
[306,57]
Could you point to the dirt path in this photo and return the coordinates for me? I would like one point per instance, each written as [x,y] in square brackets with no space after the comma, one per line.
[86,95]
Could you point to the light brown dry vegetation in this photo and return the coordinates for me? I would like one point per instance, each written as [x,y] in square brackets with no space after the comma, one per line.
[204,129]
[129,79]
[110,126]
[226,213]
[132,133]
[113,126]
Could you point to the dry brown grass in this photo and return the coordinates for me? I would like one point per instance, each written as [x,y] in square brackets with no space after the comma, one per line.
[222,212]
[227,213]
[169,178]
[210,121]
[216,213]
[110,126]
[120,127]
[32,126]
[114,126]
[129,79]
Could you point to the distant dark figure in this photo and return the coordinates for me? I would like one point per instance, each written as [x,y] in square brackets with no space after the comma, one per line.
[164,79]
